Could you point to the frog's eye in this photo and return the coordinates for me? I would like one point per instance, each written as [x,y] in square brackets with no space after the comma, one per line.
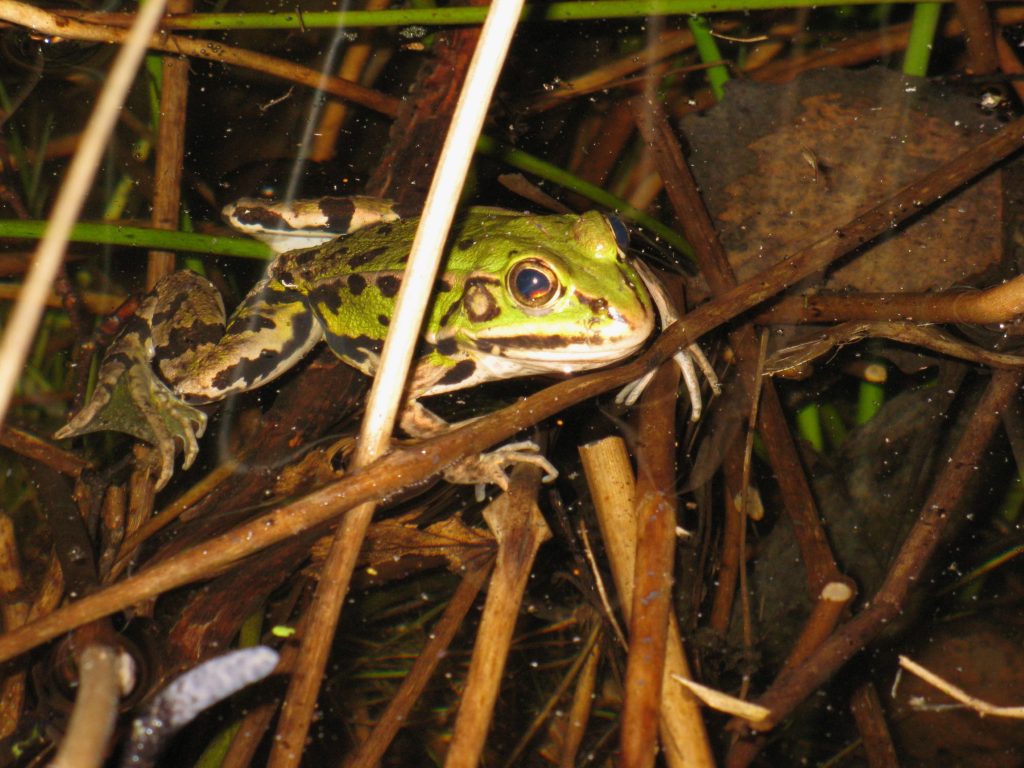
[533,284]
[620,232]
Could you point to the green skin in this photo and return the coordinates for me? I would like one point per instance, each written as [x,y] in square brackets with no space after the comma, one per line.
[519,295]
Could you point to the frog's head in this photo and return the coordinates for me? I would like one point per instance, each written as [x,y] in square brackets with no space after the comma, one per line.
[552,294]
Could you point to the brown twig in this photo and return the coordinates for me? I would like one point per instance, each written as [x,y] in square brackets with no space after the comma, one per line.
[874,731]
[981,49]
[730,559]
[999,304]
[519,529]
[578,715]
[1009,64]
[801,353]
[653,569]
[584,658]
[42,21]
[610,479]
[95,302]
[14,611]
[33,447]
[956,693]
[170,152]
[827,611]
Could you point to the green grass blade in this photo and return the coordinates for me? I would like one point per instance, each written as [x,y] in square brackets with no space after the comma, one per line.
[922,38]
[144,237]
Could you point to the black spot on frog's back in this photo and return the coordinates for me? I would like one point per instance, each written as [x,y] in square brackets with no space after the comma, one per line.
[388,285]
[253,322]
[365,257]
[356,284]
[192,336]
[304,258]
[168,312]
[327,298]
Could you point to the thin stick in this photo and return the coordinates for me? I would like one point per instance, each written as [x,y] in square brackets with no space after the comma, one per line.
[998,304]
[757,389]
[874,731]
[610,479]
[24,320]
[655,516]
[170,152]
[519,529]
[980,706]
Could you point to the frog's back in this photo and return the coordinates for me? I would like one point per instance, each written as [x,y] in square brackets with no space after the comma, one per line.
[384,247]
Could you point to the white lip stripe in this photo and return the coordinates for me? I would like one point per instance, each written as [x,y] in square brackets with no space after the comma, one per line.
[607,352]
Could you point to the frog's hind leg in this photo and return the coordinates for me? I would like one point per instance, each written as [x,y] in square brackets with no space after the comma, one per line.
[129,396]
[268,334]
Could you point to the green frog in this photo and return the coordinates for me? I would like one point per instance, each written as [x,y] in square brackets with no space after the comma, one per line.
[518,294]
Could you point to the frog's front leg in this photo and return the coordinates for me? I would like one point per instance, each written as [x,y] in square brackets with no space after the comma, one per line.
[129,396]
[420,422]
[688,359]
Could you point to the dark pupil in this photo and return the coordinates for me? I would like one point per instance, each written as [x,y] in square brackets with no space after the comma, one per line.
[532,283]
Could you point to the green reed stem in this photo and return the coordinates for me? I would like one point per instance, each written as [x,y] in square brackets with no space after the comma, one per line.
[707,49]
[564,11]
[922,38]
[143,237]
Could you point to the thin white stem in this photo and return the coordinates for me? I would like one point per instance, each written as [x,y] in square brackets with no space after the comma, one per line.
[427,247]
[24,319]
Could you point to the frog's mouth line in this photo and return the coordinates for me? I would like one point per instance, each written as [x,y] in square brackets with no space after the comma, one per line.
[577,350]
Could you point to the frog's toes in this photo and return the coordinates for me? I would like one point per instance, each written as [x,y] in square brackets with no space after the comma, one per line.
[688,360]
[137,403]
[490,468]
[630,393]
[173,423]
[523,452]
